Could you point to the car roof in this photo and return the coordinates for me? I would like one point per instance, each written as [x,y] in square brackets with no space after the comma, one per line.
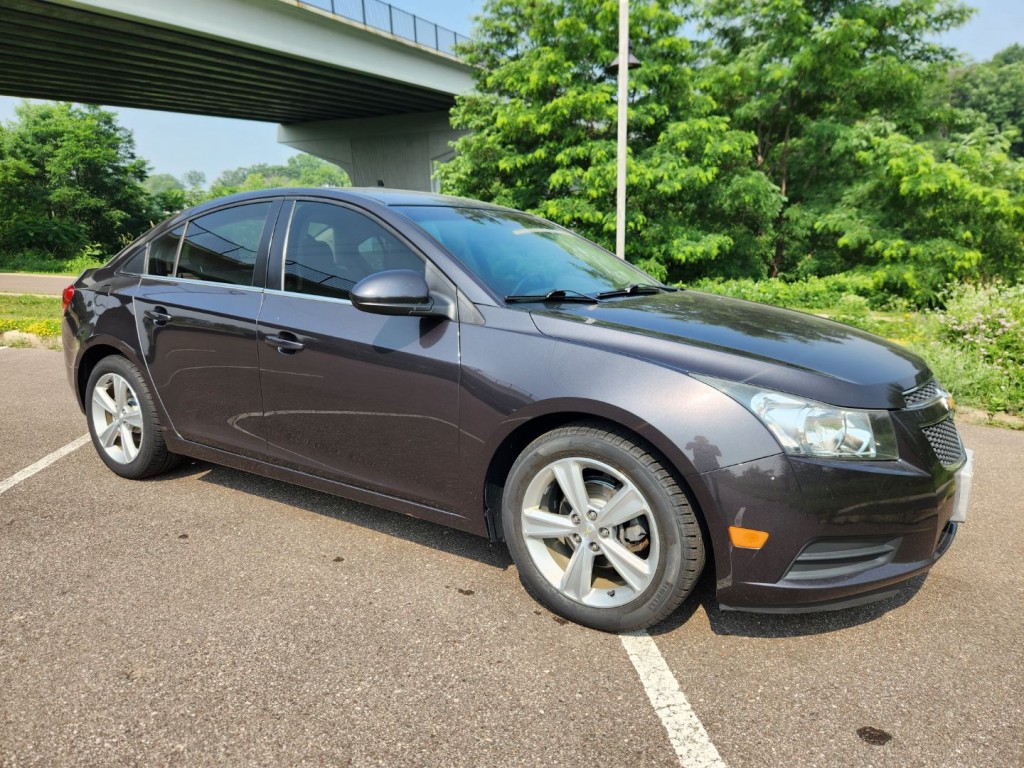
[380,195]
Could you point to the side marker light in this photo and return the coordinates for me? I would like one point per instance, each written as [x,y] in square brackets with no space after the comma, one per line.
[747,538]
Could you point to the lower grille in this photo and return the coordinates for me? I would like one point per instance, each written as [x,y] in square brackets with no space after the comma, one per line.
[945,441]
[829,558]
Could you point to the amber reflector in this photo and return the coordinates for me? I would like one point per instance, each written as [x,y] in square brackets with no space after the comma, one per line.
[747,538]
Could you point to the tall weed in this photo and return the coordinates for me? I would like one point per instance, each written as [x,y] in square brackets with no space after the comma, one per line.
[985,325]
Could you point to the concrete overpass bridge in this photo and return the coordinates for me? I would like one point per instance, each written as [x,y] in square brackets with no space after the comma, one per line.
[356,82]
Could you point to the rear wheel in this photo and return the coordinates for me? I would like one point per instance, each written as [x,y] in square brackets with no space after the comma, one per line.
[599,529]
[123,422]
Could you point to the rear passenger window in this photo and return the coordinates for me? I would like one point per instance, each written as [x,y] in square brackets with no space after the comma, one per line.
[162,253]
[222,246]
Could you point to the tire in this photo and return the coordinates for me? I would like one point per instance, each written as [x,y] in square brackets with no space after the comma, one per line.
[599,529]
[123,423]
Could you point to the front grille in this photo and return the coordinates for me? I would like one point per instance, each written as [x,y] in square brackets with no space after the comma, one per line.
[833,558]
[945,441]
[922,395]
[931,405]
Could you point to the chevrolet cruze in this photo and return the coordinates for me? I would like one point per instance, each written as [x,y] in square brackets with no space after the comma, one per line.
[487,370]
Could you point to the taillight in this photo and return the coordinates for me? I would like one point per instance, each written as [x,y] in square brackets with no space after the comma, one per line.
[66,297]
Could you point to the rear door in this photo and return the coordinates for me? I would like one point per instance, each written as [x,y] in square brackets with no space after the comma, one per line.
[196,310]
[367,400]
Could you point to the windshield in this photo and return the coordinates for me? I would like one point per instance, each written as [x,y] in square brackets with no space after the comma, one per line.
[516,254]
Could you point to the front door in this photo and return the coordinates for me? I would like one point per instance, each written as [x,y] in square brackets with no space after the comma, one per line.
[364,399]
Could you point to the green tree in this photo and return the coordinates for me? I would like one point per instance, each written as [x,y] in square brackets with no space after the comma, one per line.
[301,170]
[543,129]
[801,75]
[193,182]
[162,182]
[309,171]
[168,195]
[69,177]
[996,89]
[929,214]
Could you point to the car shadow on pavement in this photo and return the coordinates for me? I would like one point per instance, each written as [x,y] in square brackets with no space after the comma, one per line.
[767,625]
[471,547]
[383,521]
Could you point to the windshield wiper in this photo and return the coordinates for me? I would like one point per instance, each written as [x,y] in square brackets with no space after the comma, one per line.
[635,290]
[556,295]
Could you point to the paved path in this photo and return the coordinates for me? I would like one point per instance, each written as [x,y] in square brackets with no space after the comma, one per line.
[214,617]
[50,285]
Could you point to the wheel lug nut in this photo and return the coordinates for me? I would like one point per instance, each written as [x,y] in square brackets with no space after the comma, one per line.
[591,515]
[594,547]
[575,518]
[604,533]
[577,538]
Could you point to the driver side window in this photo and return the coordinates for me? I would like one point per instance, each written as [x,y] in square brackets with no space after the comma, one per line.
[330,248]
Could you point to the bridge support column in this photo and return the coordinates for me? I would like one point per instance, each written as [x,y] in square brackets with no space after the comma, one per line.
[397,151]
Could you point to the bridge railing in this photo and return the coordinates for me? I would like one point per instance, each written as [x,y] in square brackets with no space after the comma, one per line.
[387,18]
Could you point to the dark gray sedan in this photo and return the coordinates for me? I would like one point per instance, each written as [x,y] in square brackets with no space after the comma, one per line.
[485,369]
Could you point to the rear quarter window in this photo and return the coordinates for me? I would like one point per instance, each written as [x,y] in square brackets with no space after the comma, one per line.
[135,263]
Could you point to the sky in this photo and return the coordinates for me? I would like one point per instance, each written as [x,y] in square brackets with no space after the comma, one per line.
[175,143]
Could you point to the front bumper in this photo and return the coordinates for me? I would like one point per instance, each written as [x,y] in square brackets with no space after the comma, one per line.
[840,533]
[809,596]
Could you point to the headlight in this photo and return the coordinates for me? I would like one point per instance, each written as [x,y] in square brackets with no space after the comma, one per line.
[809,428]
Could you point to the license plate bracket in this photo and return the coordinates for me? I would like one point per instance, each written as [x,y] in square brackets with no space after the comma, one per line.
[964,479]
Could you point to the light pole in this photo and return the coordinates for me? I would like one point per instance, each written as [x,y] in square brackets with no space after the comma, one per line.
[625,55]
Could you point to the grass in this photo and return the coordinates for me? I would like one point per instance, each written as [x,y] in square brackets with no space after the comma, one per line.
[38,315]
[43,264]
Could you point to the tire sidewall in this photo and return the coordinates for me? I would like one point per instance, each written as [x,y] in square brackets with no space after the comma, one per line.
[125,368]
[665,586]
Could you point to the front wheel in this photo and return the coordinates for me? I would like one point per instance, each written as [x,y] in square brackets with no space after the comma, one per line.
[599,529]
[123,422]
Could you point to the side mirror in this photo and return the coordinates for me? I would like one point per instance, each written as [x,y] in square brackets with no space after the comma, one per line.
[395,292]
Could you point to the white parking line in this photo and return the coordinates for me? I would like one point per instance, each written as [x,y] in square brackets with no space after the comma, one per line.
[689,739]
[43,463]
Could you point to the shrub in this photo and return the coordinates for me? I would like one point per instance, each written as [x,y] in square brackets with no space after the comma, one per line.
[985,323]
[824,293]
[852,309]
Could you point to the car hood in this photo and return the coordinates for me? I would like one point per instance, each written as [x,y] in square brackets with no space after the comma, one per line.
[744,341]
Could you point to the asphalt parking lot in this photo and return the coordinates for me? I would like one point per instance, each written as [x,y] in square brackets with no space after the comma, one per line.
[215,617]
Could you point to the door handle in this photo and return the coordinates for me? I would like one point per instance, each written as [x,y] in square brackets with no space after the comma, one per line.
[286,343]
[158,315]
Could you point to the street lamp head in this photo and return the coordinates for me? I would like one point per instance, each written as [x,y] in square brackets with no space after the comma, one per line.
[632,62]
